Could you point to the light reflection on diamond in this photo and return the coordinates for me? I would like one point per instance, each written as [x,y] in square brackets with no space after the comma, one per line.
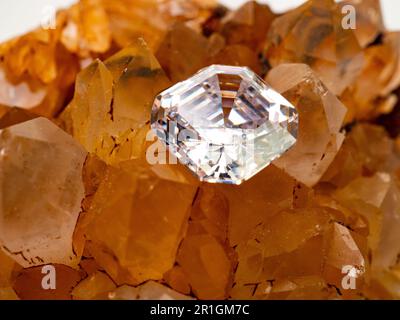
[224,123]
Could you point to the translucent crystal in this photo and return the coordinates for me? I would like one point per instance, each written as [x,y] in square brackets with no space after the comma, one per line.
[225,123]
[41,194]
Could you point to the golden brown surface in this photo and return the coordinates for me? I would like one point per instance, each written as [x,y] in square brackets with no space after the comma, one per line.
[153,231]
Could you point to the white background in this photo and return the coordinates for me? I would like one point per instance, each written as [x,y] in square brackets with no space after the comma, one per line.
[19,16]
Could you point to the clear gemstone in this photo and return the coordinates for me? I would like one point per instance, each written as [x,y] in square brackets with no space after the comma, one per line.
[224,123]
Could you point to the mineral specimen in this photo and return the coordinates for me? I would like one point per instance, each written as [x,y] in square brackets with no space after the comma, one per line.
[224,123]
[248,25]
[96,286]
[313,34]
[114,221]
[142,241]
[118,96]
[321,115]
[206,241]
[44,164]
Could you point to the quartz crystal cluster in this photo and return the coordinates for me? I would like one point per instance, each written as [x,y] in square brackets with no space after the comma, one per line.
[79,196]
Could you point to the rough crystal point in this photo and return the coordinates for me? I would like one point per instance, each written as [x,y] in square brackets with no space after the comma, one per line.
[134,235]
[224,123]
[321,117]
[112,103]
[313,34]
[41,192]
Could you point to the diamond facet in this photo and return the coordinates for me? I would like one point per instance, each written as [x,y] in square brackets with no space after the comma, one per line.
[224,123]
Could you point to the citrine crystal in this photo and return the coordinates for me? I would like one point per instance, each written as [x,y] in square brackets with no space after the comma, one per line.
[118,94]
[142,242]
[225,123]
[321,115]
[313,34]
[44,164]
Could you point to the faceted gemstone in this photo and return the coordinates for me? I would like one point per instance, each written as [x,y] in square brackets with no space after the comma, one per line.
[141,242]
[321,117]
[151,290]
[225,123]
[44,164]
[313,34]
[28,283]
[117,95]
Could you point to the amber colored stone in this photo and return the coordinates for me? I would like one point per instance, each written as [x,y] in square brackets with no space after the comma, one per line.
[129,19]
[142,241]
[238,55]
[93,173]
[44,164]
[87,28]
[274,251]
[343,250]
[21,94]
[366,149]
[94,287]
[321,117]
[269,192]
[28,283]
[90,266]
[8,294]
[313,34]
[118,95]
[151,290]
[6,270]
[198,256]
[14,116]
[177,280]
[37,73]
[205,256]
[181,59]
[371,94]
[38,69]
[369,23]
[248,25]
[366,183]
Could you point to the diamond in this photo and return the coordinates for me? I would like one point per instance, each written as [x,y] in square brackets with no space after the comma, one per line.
[224,123]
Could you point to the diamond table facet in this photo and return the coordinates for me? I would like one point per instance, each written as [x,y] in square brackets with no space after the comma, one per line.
[224,123]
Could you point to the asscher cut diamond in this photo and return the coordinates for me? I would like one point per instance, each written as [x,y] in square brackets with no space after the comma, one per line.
[224,123]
